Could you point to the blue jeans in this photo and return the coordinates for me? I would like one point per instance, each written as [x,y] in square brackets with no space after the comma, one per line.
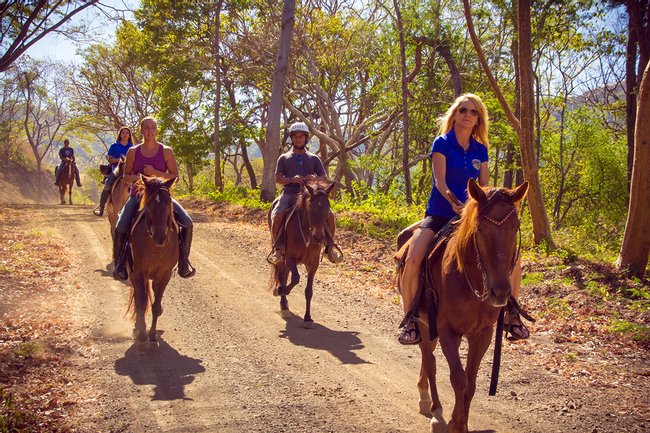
[131,208]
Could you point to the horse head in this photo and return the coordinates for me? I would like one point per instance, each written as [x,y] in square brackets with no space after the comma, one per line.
[318,208]
[118,171]
[490,222]
[158,208]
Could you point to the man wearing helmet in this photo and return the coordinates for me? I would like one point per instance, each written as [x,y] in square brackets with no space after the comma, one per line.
[293,170]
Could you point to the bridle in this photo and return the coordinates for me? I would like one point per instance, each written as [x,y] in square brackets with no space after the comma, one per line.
[482,296]
[148,230]
[306,240]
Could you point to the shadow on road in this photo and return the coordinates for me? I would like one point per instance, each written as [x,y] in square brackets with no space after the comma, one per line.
[163,367]
[341,344]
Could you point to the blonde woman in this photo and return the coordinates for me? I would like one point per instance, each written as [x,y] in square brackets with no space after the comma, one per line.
[460,152]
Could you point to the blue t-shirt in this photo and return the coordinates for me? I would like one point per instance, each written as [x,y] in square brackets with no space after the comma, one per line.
[117,149]
[461,166]
[66,152]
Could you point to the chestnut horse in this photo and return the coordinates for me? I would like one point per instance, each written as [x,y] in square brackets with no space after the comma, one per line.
[119,196]
[305,236]
[154,253]
[66,180]
[470,276]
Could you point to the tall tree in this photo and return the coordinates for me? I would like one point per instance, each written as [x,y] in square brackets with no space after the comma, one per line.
[405,112]
[272,148]
[26,22]
[636,241]
[524,124]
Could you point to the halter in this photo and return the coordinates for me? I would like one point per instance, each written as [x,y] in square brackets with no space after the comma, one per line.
[148,230]
[498,222]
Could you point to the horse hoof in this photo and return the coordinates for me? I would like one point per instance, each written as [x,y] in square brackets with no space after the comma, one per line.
[309,324]
[285,314]
[438,424]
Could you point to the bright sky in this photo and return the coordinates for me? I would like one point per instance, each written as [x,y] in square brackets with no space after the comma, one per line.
[103,25]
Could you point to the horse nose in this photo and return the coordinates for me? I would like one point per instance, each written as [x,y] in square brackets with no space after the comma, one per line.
[500,293]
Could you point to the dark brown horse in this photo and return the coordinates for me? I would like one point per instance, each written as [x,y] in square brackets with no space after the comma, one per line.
[154,248]
[305,237]
[66,180]
[470,276]
[119,196]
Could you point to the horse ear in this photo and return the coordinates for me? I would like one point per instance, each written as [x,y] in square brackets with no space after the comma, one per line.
[330,188]
[475,191]
[310,189]
[519,193]
[170,182]
[144,178]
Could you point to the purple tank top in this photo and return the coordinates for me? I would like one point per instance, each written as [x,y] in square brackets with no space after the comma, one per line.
[157,161]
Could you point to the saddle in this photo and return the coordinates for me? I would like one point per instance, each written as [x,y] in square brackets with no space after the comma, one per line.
[105,169]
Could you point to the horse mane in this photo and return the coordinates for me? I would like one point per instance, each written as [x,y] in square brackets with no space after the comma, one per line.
[468,224]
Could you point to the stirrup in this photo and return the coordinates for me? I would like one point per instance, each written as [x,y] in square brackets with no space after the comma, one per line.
[334,254]
[274,257]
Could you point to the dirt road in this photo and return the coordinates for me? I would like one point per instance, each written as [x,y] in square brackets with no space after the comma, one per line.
[227,361]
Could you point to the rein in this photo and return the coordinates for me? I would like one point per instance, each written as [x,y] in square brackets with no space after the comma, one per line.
[482,296]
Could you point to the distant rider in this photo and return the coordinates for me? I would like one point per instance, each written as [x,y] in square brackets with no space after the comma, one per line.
[295,168]
[66,152]
[115,152]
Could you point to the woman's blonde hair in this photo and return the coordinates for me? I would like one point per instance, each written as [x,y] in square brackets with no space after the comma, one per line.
[480,131]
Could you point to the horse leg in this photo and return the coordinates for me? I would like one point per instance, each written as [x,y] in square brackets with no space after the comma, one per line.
[295,275]
[141,298]
[62,193]
[429,399]
[156,308]
[70,194]
[450,343]
[282,273]
[477,346]
[309,291]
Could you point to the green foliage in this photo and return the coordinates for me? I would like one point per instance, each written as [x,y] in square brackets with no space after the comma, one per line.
[28,349]
[532,278]
[635,331]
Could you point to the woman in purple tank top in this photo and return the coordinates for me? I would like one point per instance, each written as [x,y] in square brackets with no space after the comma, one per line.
[150,158]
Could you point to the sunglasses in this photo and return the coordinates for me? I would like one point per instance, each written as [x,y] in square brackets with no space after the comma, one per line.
[464,110]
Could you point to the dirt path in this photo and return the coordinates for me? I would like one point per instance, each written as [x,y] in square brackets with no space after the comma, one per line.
[227,361]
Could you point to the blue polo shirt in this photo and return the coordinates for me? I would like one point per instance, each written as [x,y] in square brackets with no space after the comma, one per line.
[117,149]
[461,166]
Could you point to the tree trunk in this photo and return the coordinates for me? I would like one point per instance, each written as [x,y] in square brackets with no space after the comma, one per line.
[630,95]
[272,147]
[541,227]
[218,175]
[636,240]
[405,114]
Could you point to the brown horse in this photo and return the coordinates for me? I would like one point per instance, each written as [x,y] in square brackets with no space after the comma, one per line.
[305,236]
[66,180]
[470,277]
[154,249]
[119,196]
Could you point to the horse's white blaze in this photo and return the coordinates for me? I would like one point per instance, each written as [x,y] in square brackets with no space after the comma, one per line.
[158,198]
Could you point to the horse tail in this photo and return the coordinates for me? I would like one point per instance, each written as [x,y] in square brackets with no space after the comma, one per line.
[131,306]
[274,280]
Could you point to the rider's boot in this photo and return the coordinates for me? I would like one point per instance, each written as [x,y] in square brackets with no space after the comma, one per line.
[275,256]
[56,175]
[99,210]
[332,251]
[185,269]
[119,256]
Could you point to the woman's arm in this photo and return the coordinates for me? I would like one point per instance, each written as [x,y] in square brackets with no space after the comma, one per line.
[439,167]
[129,177]
[484,174]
